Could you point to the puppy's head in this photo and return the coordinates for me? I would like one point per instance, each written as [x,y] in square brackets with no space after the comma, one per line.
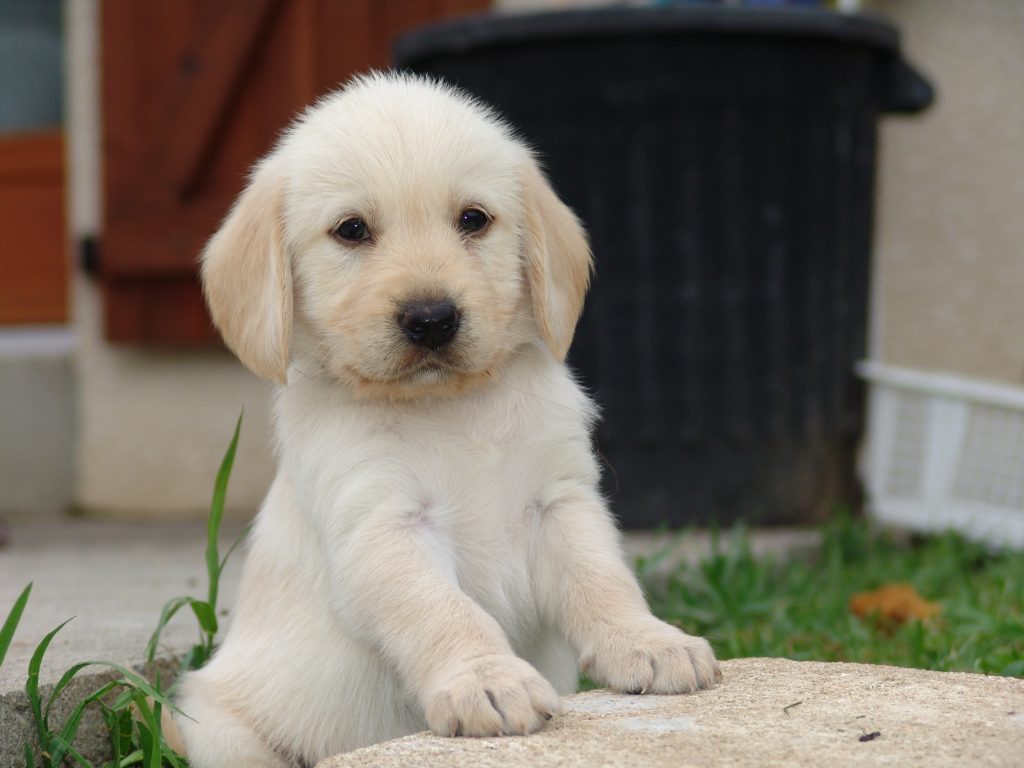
[399,238]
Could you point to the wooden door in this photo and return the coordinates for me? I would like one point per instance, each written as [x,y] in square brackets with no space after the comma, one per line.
[193,92]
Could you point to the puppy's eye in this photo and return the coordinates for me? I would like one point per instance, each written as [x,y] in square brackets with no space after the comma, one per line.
[353,230]
[473,220]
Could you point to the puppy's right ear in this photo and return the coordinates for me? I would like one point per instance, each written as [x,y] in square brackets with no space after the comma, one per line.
[247,277]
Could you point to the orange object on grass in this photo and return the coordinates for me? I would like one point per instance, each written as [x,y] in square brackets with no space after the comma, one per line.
[895,602]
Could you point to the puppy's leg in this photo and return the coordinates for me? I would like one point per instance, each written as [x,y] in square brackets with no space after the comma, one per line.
[214,737]
[396,584]
[585,587]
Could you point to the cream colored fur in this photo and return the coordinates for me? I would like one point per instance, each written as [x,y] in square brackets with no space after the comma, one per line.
[434,551]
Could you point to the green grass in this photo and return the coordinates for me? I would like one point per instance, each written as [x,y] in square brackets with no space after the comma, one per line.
[130,705]
[205,611]
[799,609]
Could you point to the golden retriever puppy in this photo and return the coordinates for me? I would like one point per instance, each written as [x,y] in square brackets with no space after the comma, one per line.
[434,551]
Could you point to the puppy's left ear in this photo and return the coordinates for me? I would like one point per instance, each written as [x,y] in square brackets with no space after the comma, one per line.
[558,262]
[247,277]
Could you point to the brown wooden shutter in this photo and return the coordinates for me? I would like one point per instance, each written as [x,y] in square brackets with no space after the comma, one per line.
[193,92]
[33,260]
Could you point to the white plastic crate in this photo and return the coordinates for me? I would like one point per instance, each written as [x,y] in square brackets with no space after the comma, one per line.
[945,452]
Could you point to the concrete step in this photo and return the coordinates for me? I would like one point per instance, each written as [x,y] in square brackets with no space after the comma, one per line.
[766,712]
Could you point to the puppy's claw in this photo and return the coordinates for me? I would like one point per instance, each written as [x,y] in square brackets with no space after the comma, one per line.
[491,696]
[653,658]
[493,700]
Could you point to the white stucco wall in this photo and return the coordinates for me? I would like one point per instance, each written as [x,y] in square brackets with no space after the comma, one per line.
[949,244]
[153,425]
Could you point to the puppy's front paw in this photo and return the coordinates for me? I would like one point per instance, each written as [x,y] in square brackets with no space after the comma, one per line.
[652,658]
[490,696]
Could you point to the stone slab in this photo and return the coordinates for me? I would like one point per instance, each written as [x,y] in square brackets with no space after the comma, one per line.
[767,712]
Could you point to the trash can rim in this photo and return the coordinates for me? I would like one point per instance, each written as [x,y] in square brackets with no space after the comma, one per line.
[489,29]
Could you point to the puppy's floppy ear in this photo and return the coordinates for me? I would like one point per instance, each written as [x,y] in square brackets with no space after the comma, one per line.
[558,262]
[247,277]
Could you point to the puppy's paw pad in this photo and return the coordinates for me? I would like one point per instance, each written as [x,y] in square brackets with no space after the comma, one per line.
[490,696]
[657,658]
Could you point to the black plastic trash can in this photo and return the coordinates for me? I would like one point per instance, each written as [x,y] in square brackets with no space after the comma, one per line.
[722,160]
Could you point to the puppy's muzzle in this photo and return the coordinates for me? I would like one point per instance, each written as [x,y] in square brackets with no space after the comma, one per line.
[430,325]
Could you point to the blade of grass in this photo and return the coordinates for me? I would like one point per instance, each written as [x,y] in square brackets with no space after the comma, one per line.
[196,657]
[61,747]
[32,687]
[131,679]
[119,723]
[11,623]
[1013,669]
[147,730]
[242,537]
[170,608]
[149,745]
[220,490]
[122,702]
[70,730]
[148,725]
[152,716]
[205,615]
[204,612]
[173,757]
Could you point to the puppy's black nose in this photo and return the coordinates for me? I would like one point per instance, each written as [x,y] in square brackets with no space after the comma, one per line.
[430,325]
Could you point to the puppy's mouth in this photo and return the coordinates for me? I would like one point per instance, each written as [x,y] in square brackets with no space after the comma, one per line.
[435,364]
[422,374]
[418,366]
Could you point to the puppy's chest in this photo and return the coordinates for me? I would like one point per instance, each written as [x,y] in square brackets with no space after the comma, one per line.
[477,493]
[481,470]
